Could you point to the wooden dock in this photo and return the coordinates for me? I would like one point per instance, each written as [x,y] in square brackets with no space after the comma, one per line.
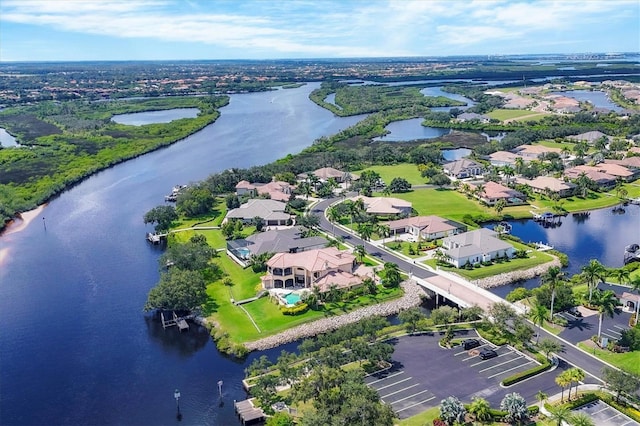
[247,412]
[181,322]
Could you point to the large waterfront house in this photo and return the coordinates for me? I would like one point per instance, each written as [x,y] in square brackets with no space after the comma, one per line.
[503,158]
[272,212]
[385,206]
[426,228]
[472,116]
[481,245]
[275,190]
[289,240]
[602,179]
[492,192]
[463,168]
[322,268]
[325,173]
[590,137]
[549,185]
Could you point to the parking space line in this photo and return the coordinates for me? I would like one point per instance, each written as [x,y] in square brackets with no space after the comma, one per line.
[506,371]
[410,396]
[417,403]
[498,365]
[401,390]
[600,411]
[388,377]
[613,331]
[393,384]
[484,360]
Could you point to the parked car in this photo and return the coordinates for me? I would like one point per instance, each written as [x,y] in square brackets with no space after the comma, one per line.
[575,311]
[487,353]
[470,344]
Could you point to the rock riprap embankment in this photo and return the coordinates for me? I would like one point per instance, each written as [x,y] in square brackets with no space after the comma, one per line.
[410,298]
[513,276]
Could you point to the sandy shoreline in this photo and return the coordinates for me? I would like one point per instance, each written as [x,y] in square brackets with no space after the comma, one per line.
[22,221]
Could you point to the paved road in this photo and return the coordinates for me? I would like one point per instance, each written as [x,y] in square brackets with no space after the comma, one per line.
[571,354]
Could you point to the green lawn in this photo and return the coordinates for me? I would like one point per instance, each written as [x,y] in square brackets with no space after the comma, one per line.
[554,144]
[625,361]
[407,171]
[424,418]
[535,258]
[593,200]
[515,114]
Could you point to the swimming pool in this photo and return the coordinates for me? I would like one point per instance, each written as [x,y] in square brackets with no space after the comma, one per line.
[244,252]
[292,298]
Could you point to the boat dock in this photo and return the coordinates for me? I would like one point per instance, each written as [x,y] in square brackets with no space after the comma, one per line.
[155,238]
[181,322]
[540,246]
[247,412]
[174,193]
[542,217]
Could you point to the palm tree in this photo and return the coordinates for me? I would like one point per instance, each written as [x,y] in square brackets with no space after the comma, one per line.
[560,414]
[584,183]
[391,274]
[508,172]
[562,380]
[334,216]
[553,277]
[576,375]
[500,205]
[541,397]
[581,419]
[621,275]
[635,285]
[365,230]
[384,231]
[538,314]
[606,303]
[360,252]
[481,409]
[593,272]
[519,163]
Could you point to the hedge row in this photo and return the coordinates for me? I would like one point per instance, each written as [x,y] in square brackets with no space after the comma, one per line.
[518,377]
[295,310]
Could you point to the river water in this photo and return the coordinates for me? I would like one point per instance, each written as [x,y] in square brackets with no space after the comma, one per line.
[76,347]
[147,117]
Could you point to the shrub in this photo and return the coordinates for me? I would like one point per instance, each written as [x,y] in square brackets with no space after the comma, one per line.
[560,320]
[518,377]
[294,310]
[582,400]
[518,294]
[564,259]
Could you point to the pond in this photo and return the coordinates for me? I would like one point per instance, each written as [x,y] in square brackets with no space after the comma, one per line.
[409,130]
[455,154]
[600,234]
[154,117]
[595,97]
[6,140]
[331,99]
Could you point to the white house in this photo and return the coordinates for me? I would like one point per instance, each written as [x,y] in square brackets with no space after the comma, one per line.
[481,245]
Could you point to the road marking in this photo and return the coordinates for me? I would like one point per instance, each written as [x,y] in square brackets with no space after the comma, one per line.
[388,377]
[614,331]
[489,359]
[410,396]
[506,371]
[417,403]
[393,384]
[499,364]
[619,327]
[401,390]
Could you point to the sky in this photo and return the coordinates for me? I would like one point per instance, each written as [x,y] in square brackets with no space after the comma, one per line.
[70,30]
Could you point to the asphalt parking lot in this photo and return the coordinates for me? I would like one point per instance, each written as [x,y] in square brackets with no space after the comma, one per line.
[605,415]
[583,328]
[423,374]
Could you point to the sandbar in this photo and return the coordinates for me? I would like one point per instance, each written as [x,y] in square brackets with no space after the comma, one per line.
[23,220]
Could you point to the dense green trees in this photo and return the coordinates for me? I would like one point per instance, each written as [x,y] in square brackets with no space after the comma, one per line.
[180,290]
[620,382]
[162,216]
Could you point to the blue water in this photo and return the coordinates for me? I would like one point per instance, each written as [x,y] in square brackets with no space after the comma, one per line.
[455,154]
[151,117]
[292,298]
[597,98]
[602,235]
[412,129]
[6,139]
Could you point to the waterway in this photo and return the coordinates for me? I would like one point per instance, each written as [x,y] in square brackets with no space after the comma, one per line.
[595,97]
[151,117]
[600,234]
[76,348]
[6,139]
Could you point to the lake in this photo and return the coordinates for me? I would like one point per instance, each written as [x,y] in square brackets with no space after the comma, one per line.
[595,97]
[601,234]
[76,347]
[412,129]
[6,140]
[152,117]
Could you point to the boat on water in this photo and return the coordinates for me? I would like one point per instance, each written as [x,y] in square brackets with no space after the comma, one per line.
[632,248]
[503,228]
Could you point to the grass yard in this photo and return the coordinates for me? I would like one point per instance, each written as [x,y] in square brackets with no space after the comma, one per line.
[535,258]
[626,361]
[424,418]
[515,114]
[553,144]
[593,200]
[407,171]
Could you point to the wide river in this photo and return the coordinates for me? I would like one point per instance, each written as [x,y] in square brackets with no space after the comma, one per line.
[75,346]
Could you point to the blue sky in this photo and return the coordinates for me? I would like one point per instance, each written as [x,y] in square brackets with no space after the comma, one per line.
[52,30]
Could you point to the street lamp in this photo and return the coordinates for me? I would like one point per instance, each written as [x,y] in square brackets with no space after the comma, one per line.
[176,395]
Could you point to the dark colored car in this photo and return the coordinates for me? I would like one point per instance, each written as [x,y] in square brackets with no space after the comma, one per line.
[575,312]
[470,344]
[487,353]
